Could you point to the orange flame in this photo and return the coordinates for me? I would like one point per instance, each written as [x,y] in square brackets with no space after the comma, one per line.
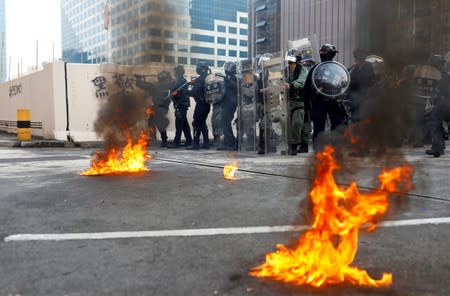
[324,253]
[229,171]
[131,159]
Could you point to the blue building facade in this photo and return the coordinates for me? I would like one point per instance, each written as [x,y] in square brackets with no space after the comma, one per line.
[82,32]
[155,31]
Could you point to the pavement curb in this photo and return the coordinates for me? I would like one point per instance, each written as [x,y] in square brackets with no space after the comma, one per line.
[49,144]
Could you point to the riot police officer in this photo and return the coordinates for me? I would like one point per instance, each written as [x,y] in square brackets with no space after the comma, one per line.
[295,77]
[181,103]
[161,102]
[362,77]
[439,114]
[321,105]
[262,76]
[229,106]
[202,107]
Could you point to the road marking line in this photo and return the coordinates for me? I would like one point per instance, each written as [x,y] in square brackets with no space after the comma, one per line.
[197,232]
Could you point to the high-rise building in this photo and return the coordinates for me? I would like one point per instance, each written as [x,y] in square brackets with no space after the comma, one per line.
[155,31]
[395,29]
[2,41]
[83,35]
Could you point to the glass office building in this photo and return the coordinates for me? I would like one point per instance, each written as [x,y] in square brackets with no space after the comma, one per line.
[2,40]
[82,31]
[156,31]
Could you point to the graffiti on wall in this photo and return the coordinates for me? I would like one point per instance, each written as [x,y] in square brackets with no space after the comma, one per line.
[15,90]
[124,82]
[100,84]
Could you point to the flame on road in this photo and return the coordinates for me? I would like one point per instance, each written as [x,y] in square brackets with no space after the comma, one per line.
[324,254]
[131,159]
[229,171]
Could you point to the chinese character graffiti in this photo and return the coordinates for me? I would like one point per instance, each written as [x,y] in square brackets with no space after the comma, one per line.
[99,83]
[15,90]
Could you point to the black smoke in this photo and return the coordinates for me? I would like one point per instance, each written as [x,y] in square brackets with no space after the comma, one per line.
[133,87]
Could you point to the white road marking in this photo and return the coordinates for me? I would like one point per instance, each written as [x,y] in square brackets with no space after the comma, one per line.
[197,232]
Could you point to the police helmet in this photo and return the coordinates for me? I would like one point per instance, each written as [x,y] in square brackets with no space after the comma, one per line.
[327,52]
[202,68]
[164,76]
[230,68]
[293,55]
[179,71]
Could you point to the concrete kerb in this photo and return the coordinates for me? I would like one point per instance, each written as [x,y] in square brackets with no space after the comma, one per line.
[49,144]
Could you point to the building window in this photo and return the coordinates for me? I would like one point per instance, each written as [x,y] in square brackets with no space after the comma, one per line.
[155,45]
[182,35]
[182,60]
[221,52]
[202,38]
[243,31]
[182,48]
[232,53]
[243,20]
[168,34]
[204,50]
[232,30]
[169,59]
[169,46]
[222,29]
[243,43]
[221,40]
[242,54]
[155,32]
[220,63]
[232,41]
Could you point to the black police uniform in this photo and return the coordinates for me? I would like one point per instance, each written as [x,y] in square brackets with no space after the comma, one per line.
[320,105]
[181,103]
[202,108]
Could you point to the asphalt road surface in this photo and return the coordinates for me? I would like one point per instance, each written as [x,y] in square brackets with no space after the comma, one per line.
[181,229]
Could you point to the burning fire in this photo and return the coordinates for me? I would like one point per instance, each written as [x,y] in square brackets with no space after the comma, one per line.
[131,159]
[229,171]
[324,253]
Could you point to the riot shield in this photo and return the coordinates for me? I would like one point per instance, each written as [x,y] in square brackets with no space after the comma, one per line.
[247,113]
[330,79]
[214,88]
[309,47]
[426,80]
[273,122]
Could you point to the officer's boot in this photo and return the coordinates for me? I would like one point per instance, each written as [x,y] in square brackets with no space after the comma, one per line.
[303,148]
[196,142]
[176,140]
[205,138]
[216,142]
[187,135]
[261,144]
[292,149]
[163,139]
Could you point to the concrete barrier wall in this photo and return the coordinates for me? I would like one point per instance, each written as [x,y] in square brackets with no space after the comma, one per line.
[53,116]
[33,92]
